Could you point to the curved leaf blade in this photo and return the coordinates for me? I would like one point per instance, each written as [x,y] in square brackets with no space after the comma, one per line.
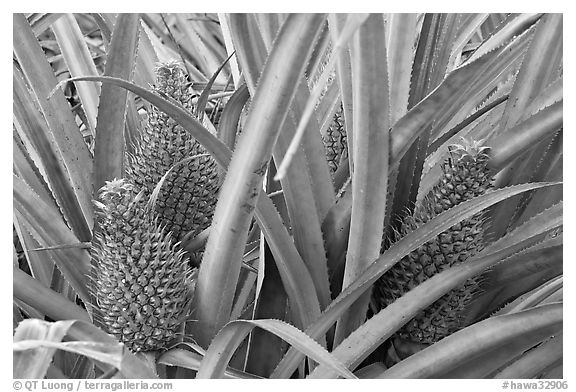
[49,229]
[539,68]
[400,58]
[229,338]
[353,22]
[509,30]
[120,60]
[32,361]
[489,344]
[191,360]
[228,124]
[535,361]
[371,143]
[47,301]
[79,62]
[239,193]
[307,187]
[58,115]
[35,134]
[526,134]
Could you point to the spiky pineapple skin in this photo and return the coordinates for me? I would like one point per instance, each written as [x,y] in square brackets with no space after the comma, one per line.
[335,141]
[465,176]
[188,195]
[141,286]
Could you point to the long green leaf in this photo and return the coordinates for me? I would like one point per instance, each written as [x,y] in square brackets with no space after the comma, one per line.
[509,30]
[249,46]
[203,99]
[208,60]
[307,187]
[533,362]
[489,344]
[25,168]
[538,69]
[49,229]
[533,298]
[86,340]
[550,169]
[120,60]
[241,187]
[466,30]
[546,97]
[33,362]
[33,131]
[72,150]
[218,150]
[79,62]
[518,273]
[106,353]
[448,93]
[49,302]
[544,221]
[303,212]
[336,230]
[41,22]
[227,37]
[228,125]
[229,338]
[529,94]
[272,303]
[371,143]
[164,47]
[540,163]
[430,66]
[501,67]
[41,265]
[400,58]
[398,250]
[337,24]
[546,256]
[131,366]
[192,360]
[297,280]
[352,23]
[520,138]
[313,147]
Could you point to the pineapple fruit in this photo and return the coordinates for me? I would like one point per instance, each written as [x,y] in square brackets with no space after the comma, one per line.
[188,195]
[140,283]
[465,176]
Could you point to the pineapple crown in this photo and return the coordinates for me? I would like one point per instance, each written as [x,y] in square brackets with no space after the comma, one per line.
[116,197]
[473,150]
[171,79]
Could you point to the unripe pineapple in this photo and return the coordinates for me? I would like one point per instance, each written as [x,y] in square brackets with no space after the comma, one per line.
[188,196]
[335,142]
[140,283]
[465,176]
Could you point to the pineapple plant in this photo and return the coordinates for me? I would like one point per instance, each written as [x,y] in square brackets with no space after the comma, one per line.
[294,279]
[465,175]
